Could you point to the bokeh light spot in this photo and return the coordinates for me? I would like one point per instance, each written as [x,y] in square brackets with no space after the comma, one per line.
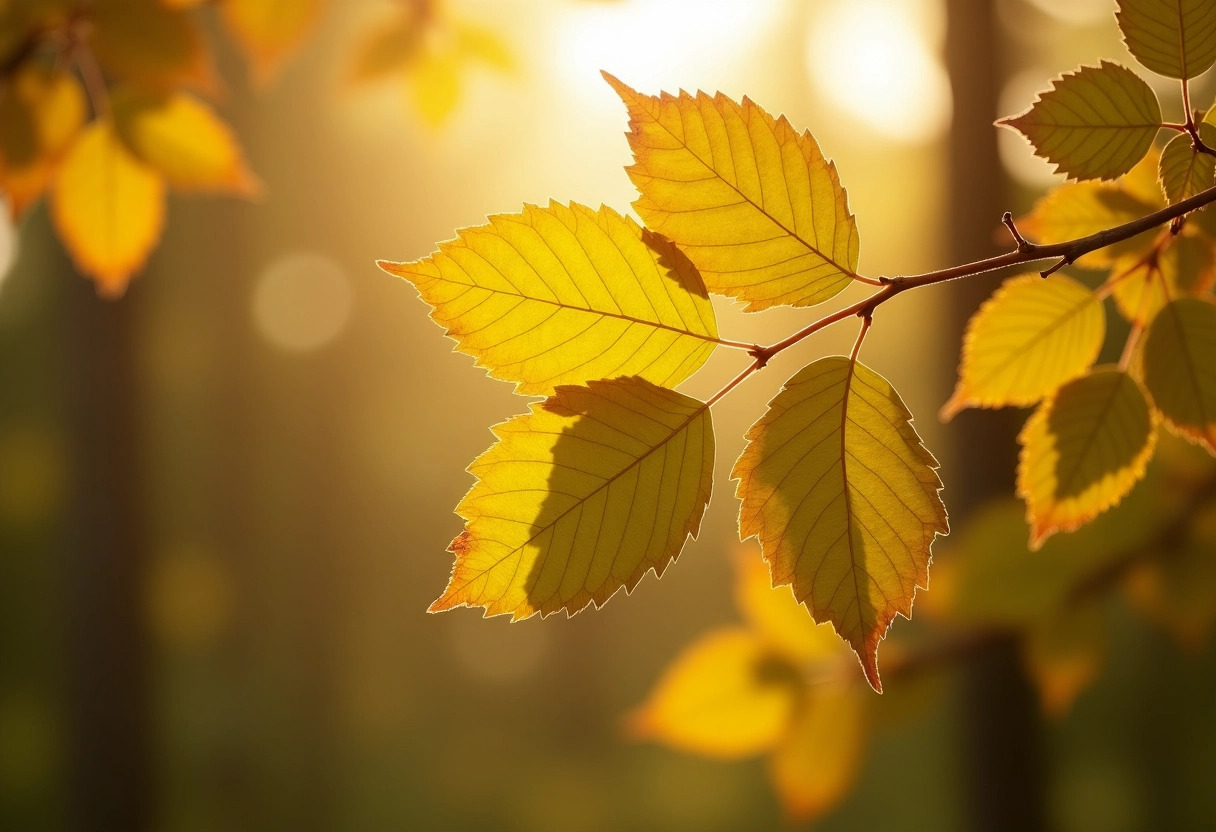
[302,302]
[190,598]
[31,476]
[8,241]
[28,743]
[496,651]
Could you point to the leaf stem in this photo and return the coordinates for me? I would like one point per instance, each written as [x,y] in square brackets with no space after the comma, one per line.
[735,382]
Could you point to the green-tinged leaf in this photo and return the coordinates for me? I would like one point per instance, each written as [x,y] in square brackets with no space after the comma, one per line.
[1026,340]
[1179,364]
[1063,655]
[1185,171]
[728,696]
[1079,209]
[844,499]
[582,496]
[1095,123]
[562,295]
[1083,450]
[1143,284]
[819,759]
[1175,38]
[752,202]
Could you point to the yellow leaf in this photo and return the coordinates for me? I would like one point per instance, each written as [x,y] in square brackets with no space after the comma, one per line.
[844,499]
[1063,656]
[726,696]
[41,113]
[434,82]
[1083,450]
[1026,340]
[270,31]
[108,207]
[1184,171]
[775,614]
[1143,284]
[754,204]
[584,495]
[185,140]
[818,761]
[1094,123]
[1175,38]
[562,295]
[150,44]
[390,46]
[1179,363]
[1079,209]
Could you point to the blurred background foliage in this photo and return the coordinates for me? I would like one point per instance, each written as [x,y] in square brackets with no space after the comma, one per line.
[224,499]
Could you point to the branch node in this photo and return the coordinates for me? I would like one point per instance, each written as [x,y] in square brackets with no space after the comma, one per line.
[1024,245]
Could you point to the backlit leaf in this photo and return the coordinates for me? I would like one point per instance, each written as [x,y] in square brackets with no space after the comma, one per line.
[1083,450]
[844,499]
[1142,285]
[818,761]
[270,31]
[582,496]
[41,113]
[561,295]
[752,202]
[1079,209]
[1063,655]
[1179,363]
[728,696]
[108,207]
[1175,38]
[1094,123]
[185,140]
[1184,171]
[148,43]
[1026,340]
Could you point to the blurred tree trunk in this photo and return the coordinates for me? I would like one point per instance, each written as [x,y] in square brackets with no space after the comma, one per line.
[109,786]
[1001,755]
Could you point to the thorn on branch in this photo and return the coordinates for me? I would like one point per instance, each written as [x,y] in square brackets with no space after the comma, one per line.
[761,355]
[1024,245]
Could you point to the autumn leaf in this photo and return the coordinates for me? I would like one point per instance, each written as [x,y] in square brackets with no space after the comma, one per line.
[752,202]
[270,31]
[1083,450]
[1142,285]
[1179,366]
[582,496]
[779,618]
[183,139]
[108,207]
[843,497]
[1094,123]
[727,696]
[1175,38]
[1026,340]
[562,295]
[1063,656]
[819,759]
[1185,171]
[41,113]
[151,44]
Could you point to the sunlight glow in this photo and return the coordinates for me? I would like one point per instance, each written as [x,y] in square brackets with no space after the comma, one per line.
[876,60]
[302,302]
[8,240]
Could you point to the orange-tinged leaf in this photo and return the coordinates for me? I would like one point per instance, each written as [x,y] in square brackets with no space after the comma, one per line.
[727,695]
[1142,285]
[41,113]
[844,499]
[270,31]
[1083,450]
[184,140]
[391,46]
[819,760]
[1094,123]
[584,495]
[752,202]
[150,44]
[566,294]
[1063,655]
[108,208]
[1026,340]
[1185,171]
[1179,366]
[1175,38]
